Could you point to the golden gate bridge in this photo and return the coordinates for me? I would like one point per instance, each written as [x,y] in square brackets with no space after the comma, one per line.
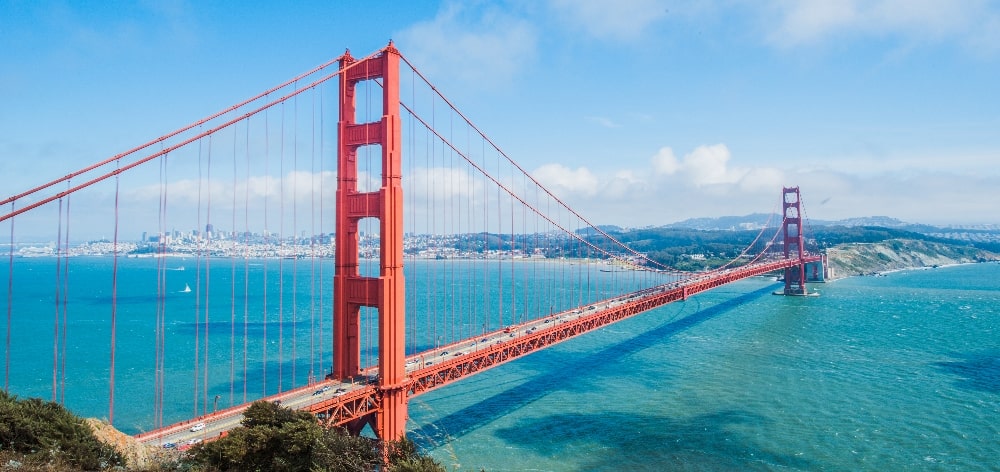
[422,198]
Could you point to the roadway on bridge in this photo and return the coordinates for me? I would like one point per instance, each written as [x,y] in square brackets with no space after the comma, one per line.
[208,427]
[184,435]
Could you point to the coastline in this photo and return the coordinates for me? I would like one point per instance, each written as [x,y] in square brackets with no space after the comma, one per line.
[896,255]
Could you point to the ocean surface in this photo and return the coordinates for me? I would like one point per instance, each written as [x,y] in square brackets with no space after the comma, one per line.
[900,372]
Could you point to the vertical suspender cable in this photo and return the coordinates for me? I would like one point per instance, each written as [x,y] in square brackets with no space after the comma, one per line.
[529,294]
[10,303]
[55,324]
[267,240]
[581,267]
[197,290]
[232,281]
[447,277]
[573,287]
[513,245]
[431,313]
[281,251]
[322,150]
[486,244]
[551,273]
[312,240]
[161,288]
[449,274]
[456,228]
[540,294]
[159,306]
[500,286]
[114,310]
[458,301]
[58,299]
[65,307]
[208,270]
[295,230]
[246,259]
[431,272]
[472,269]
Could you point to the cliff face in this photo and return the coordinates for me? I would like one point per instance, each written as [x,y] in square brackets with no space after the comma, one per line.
[862,259]
[136,454]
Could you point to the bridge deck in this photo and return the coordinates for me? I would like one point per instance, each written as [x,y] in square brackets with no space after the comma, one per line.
[340,402]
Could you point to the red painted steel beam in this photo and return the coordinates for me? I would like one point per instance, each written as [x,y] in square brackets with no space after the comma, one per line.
[357,407]
[362,406]
[386,291]
[455,369]
[351,407]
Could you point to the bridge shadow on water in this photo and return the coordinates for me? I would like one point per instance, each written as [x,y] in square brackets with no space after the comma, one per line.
[575,372]
[646,442]
[976,371]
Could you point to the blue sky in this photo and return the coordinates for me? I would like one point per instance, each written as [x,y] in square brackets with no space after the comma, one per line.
[637,112]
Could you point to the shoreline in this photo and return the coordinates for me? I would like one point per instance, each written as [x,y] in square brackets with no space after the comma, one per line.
[886,273]
[886,257]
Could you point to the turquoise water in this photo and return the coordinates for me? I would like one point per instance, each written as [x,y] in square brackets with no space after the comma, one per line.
[890,373]
[291,325]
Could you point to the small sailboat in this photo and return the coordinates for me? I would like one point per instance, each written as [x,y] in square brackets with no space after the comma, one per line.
[187,289]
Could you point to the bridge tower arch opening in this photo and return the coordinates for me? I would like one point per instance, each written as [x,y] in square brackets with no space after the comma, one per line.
[351,290]
[793,242]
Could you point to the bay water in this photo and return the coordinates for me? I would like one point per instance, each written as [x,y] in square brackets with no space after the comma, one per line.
[900,372]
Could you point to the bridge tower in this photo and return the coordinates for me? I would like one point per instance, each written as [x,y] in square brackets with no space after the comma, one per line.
[384,292]
[794,243]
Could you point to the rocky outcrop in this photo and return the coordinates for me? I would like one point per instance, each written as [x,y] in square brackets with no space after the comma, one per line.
[137,456]
[872,258]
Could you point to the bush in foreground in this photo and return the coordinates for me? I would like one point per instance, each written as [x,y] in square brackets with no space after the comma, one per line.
[38,432]
[278,439]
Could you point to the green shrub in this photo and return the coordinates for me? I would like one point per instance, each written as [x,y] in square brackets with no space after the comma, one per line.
[46,432]
[279,439]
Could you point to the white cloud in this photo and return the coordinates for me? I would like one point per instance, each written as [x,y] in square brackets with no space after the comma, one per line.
[708,165]
[665,163]
[621,20]
[808,20]
[701,183]
[626,183]
[792,23]
[933,198]
[762,180]
[470,44]
[962,163]
[440,184]
[563,180]
[300,186]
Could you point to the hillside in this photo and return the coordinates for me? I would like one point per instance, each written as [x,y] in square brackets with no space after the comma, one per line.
[894,254]
[137,456]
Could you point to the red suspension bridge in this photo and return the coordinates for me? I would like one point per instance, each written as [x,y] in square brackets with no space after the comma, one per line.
[478,265]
